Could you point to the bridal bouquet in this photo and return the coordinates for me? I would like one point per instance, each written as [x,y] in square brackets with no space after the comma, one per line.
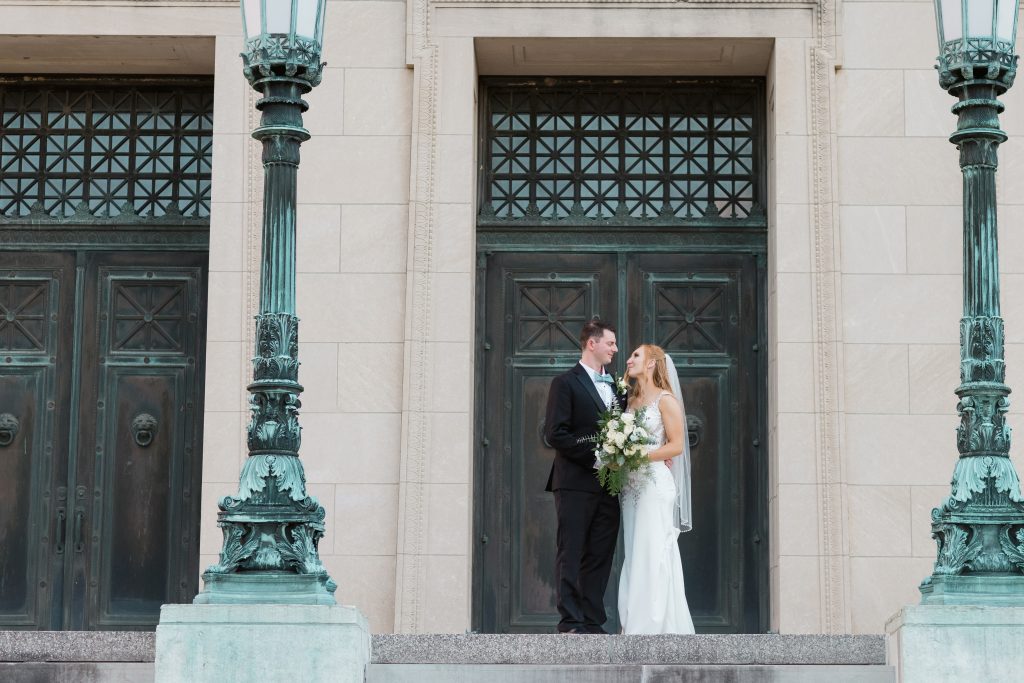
[621,448]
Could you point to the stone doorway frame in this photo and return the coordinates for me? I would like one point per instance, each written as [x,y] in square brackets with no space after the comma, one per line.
[450,44]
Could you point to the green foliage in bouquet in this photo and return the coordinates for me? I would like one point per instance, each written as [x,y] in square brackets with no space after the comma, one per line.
[621,448]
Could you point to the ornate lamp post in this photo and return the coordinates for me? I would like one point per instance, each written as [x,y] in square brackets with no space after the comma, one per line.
[272,528]
[979,529]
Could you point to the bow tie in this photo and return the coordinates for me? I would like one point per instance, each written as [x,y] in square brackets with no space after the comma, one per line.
[604,378]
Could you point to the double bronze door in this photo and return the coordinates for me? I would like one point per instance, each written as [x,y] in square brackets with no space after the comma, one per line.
[706,311]
[101,385]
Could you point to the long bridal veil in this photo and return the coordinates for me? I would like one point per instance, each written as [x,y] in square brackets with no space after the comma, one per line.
[683,512]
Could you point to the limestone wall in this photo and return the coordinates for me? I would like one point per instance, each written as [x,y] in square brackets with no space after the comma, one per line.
[900,218]
[864,286]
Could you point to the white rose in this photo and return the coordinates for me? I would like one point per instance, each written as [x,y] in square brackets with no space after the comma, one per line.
[628,418]
[628,430]
[620,440]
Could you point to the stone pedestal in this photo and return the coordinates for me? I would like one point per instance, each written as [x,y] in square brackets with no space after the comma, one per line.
[245,643]
[929,643]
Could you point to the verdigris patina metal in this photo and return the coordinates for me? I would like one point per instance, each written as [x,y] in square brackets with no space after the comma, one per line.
[272,528]
[9,426]
[979,529]
[143,429]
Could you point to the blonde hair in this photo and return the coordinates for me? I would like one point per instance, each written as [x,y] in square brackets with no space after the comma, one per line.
[659,376]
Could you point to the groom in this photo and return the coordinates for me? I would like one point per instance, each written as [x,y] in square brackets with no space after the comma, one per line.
[588,517]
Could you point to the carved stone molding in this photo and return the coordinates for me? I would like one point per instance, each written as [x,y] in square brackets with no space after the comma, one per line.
[827,347]
[412,530]
[827,344]
[253,239]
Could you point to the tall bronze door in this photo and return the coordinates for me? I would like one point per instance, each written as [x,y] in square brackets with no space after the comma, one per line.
[101,386]
[706,311]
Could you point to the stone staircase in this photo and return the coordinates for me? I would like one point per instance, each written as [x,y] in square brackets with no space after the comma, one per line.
[621,659]
[127,657]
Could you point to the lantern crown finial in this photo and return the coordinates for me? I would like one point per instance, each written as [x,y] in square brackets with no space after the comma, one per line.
[976,41]
[283,39]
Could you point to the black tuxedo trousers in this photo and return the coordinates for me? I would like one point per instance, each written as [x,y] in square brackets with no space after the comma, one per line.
[588,518]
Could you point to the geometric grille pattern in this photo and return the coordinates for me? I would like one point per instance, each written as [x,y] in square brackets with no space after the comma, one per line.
[690,318]
[23,316]
[149,317]
[99,155]
[589,150]
[550,316]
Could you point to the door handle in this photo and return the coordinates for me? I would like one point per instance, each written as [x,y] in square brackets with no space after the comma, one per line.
[79,521]
[61,531]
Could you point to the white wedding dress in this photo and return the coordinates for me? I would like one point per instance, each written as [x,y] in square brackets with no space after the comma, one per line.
[651,595]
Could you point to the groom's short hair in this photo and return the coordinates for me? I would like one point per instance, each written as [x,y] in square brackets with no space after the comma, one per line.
[594,329]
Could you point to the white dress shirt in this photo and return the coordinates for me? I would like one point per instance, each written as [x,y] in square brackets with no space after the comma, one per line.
[604,390]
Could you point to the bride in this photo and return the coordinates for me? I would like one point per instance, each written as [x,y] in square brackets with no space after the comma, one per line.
[656,504]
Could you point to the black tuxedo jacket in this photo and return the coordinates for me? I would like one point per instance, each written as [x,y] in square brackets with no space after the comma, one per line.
[574,407]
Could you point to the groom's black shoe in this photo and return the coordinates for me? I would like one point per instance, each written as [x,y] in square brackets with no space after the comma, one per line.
[596,630]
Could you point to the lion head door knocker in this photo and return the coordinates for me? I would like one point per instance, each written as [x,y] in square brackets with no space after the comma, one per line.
[694,430]
[9,427]
[143,429]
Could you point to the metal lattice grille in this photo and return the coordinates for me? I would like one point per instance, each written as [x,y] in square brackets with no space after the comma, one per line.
[105,155]
[582,151]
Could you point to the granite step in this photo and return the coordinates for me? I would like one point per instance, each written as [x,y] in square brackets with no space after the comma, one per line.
[127,657]
[77,656]
[621,673]
[618,659]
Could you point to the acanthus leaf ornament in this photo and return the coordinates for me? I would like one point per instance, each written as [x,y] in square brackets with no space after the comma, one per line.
[980,337]
[239,543]
[274,426]
[955,553]
[285,471]
[983,430]
[974,476]
[299,551]
[1013,551]
[277,347]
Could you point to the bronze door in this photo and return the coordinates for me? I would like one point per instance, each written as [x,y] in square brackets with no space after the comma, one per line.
[36,295]
[705,310]
[102,527]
